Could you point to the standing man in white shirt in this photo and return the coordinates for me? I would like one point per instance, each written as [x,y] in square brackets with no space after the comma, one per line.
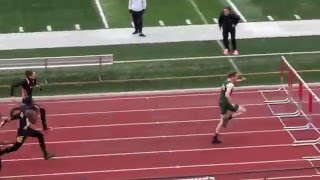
[137,8]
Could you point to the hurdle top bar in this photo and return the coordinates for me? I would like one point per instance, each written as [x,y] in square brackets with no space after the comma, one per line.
[300,79]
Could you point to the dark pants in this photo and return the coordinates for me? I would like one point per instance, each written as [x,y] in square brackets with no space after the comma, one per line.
[225,34]
[137,17]
[22,135]
[42,116]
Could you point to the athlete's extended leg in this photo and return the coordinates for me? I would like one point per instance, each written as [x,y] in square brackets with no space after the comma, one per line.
[34,133]
[43,118]
[19,142]
[239,112]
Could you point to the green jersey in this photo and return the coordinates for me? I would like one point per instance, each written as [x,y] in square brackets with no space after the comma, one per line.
[227,85]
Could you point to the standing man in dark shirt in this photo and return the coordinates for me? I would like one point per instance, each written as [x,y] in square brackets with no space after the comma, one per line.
[228,21]
[24,114]
[27,85]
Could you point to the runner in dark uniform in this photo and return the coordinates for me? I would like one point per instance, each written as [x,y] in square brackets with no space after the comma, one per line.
[24,130]
[226,106]
[27,85]
[3,143]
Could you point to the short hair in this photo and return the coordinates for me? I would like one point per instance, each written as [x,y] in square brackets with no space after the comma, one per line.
[28,73]
[232,74]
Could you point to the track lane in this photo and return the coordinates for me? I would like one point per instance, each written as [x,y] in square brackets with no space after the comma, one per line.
[219,158]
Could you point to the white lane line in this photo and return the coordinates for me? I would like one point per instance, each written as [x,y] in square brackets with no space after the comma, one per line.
[204,20]
[158,137]
[152,168]
[154,152]
[234,7]
[102,14]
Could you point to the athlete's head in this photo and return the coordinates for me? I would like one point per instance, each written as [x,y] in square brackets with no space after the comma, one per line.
[30,74]
[227,11]
[233,76]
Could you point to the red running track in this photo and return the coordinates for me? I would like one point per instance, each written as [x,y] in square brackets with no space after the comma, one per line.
[157,136]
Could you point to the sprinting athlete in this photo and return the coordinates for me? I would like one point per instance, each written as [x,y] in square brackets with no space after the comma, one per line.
[228,110]
[24,114]
[27,85]
[3,143]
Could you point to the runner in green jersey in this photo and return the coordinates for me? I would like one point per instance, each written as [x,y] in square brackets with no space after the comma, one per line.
[227,108]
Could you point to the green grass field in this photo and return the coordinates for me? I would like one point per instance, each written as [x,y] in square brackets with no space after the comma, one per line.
[36,15]
[124,75]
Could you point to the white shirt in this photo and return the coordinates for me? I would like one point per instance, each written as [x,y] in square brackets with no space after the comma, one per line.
[137,5]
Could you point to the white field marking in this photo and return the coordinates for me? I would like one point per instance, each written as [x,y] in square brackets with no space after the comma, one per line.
[217,57]
[49,28]
[270,18]
[101,13]
[160,137]
[316,147]
[153,152]
[188,21]
[297,16]
[132,24]
[234,7]
[204,20]
[21,29]
[283,124]
[161,23]
[152,168]
[154,123]
[142,110]
[77,26]
[215,20]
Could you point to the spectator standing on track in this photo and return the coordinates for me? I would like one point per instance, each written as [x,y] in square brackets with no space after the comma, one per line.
[137,9]
[228,21]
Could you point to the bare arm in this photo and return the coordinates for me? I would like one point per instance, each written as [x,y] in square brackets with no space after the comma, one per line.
[241,79]
[228,92]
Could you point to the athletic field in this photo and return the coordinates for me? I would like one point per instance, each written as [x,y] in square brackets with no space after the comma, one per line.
[259,59]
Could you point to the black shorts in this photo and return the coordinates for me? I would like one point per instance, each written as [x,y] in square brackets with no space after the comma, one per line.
[225,107]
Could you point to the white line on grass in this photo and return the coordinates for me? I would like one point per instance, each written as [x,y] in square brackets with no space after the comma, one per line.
[218,41]
[215,20]
[270,18]
[21,29]
[297,16]
[234,7]
[217,57]
[49,28]
[102,15]
[161,23]
[188,21]
[77,26]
